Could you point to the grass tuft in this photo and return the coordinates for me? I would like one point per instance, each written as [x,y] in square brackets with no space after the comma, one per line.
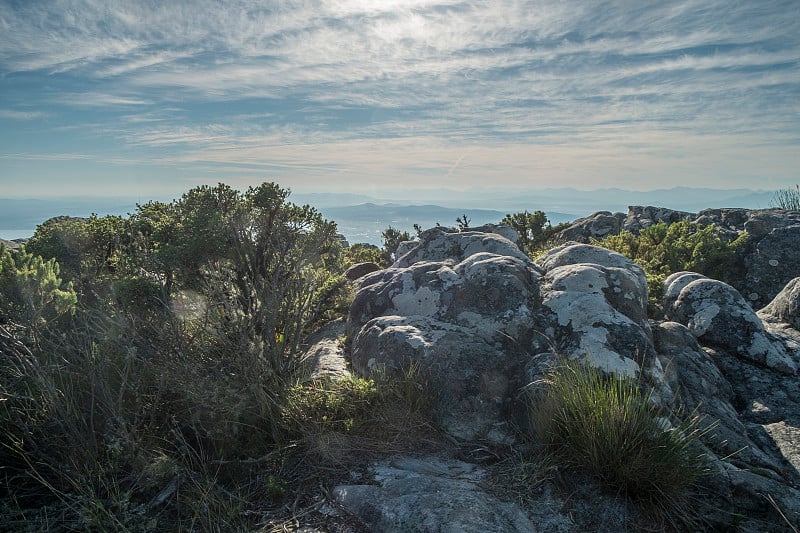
[608,428]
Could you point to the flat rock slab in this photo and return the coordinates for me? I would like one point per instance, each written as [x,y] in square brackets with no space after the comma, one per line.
[432,495]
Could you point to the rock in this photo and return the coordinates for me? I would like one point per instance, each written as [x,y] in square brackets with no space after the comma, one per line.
[596,226]
[325,357]
[704,390]
[768,259]
[785,307]
[716,313]
[640,217]
[9,245]
[435,495]
[439,244]
[463,315]
[597,303]
[359,270]
[772,263]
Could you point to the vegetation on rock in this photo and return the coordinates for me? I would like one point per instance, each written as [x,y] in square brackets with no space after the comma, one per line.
[663,249]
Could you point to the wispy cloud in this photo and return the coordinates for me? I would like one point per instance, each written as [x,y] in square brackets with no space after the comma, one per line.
[13,114]
[249,84]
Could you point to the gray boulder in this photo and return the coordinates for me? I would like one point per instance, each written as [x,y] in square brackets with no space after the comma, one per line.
[772,262]
[596,304]
[596,226]
[785,307]
[717,314]
[325,357]
[640,217]
[464,315]
[439,244]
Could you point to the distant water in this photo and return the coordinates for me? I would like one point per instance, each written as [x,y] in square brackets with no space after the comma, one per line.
[11,234]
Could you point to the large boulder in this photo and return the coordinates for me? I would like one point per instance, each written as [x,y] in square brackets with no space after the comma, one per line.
[462,313]
[438,244]
[772,262]
[596,226]
[641,217]
[595,301]
[717,314]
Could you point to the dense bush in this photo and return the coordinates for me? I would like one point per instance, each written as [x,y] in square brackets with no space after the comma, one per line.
[161,394]
[663,249]
[534,229]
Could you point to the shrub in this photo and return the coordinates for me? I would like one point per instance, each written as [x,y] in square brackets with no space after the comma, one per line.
[788,198]
[608,428]
[663,249]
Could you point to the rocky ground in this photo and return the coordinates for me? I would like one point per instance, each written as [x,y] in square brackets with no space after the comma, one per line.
[481,318]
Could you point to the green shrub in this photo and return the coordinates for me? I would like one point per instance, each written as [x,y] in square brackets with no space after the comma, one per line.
[663,249]
[608,428]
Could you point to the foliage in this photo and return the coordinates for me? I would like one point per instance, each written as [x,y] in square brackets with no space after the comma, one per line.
[534,229]
[362,253]
[462,222]
[392,237]
[176,365]
[85,249]
[788,198]
[32,290]
[607,427]
[663,249]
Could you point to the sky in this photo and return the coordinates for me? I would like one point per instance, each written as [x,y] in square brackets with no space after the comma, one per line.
[152,98]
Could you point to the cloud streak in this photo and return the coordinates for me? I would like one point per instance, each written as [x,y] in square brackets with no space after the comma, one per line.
[250,84]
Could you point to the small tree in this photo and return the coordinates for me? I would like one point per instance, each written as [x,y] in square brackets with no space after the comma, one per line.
[530,226]
[392,237]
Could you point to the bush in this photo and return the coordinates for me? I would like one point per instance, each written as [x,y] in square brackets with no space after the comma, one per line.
[608,428]
[788,198]
[663,249]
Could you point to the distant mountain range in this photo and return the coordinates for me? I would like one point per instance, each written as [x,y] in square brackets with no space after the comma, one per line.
[362,217]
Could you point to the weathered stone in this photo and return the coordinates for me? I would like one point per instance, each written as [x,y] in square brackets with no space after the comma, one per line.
[325,357]
[716,313]
[359,270]
[434,495]
[640,217]
[438,244]
[598,300]
[785,307]
[596,226]
[774,261]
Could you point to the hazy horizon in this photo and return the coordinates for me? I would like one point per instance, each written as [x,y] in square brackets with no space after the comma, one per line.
[360,222]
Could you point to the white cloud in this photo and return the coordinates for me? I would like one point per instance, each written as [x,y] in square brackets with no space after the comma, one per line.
[577,83]
[13,114]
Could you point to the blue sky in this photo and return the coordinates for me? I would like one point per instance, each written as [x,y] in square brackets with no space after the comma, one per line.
[151,98]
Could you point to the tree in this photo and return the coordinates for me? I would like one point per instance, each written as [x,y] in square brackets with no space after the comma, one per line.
[462,222]
[530,226]
[392,237]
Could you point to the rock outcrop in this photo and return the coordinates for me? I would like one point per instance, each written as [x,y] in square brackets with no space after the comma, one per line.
[482,320]
[769,259]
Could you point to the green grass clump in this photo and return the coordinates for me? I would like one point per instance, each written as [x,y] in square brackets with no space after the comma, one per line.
[608,428]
